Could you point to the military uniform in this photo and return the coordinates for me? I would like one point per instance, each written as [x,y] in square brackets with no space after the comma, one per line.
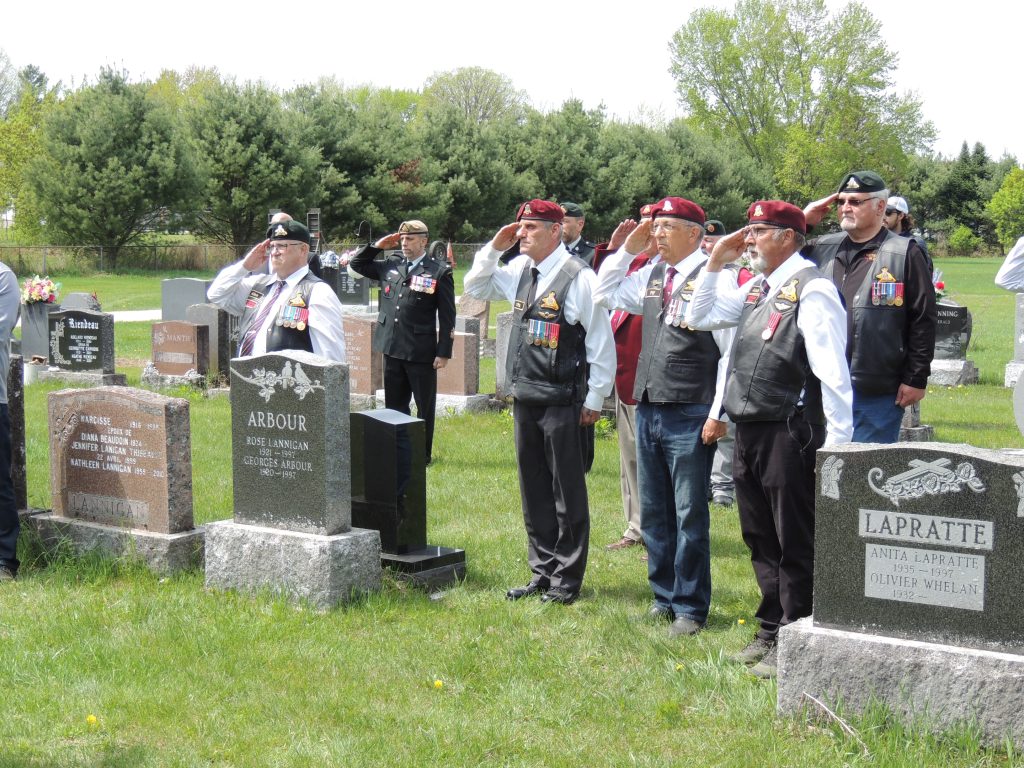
[789,394]
[416,324]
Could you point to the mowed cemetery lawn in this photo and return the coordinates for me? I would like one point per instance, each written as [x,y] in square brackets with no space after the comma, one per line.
[104,664]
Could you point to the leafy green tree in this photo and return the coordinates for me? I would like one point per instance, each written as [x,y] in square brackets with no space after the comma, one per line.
[253,159]
[805,94]
[1006,208]
[478,94]
[113,162]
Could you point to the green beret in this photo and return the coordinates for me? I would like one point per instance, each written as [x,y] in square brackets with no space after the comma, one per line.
[574,210]
[714,228]
[289,230]
[862,181]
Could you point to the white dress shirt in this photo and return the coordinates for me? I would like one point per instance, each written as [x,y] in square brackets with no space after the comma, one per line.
[821,319]
[489,280]
[231,288]
[617,290]
[1011,274]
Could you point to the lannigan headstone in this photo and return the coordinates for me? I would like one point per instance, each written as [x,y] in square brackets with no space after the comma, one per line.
[916,587]
[291,530]
[121,475]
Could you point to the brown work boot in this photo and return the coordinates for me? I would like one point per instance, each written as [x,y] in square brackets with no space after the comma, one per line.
[624,543]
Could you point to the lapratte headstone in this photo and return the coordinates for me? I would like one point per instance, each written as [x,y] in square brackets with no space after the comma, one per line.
[121,476]
[82,347]
[950,366]
[177,294]
[389,494]
[291,530]
[916,588]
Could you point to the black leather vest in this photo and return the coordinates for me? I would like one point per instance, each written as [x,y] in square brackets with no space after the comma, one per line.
[279,335]
[677,364]
[547,360]
[877,347]
[770,378]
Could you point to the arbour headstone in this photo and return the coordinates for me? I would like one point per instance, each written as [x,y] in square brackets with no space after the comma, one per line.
[121,475]
[291,530]
[916,587]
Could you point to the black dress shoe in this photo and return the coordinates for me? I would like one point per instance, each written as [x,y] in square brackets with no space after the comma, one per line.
[560,595]
[533,588]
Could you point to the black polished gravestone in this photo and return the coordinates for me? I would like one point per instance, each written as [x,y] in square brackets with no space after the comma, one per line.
[923,542]
[389,494]
[350,287]
[82,340]
[950,366]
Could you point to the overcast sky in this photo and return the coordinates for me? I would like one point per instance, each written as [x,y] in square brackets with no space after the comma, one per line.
[962,60]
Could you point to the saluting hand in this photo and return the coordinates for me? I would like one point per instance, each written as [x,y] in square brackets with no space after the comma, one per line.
[728,249]
[257,257]
[819,209]
[620,234]
[638,237]
[388,242]
[506,237]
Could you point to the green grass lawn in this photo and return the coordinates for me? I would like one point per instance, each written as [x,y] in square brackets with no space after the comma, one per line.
[107,665]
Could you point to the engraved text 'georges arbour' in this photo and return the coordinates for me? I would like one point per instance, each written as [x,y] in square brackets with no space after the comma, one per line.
[941,531]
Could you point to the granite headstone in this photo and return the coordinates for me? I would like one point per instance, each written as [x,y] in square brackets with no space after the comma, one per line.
[216,321]
[180,347]
[82,300]
[461,376]
[82,340]
[1016,366]
[35,329]
[365,366]
[16,412]
[177,294]
[290,442]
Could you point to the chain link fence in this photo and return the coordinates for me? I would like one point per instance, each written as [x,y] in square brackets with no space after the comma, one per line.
[87,259]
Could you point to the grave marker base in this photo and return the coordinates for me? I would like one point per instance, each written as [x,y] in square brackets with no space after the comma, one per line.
[89,378]
[321,570]
[163,553]
[941,685]
[951,373]
[429,567]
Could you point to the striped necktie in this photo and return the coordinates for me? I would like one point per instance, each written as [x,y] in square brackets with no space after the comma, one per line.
[245,348]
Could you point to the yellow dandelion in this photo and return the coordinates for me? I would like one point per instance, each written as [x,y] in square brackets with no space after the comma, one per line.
[438,684]
[679,667]
[91,720]
[741,621]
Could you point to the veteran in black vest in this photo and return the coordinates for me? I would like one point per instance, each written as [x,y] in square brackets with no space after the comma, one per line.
[288,308]
[560,368]
[680,382]
[416,323]
[886,282]
[788,394]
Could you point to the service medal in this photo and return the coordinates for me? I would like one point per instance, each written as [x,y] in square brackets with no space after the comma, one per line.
[773,323]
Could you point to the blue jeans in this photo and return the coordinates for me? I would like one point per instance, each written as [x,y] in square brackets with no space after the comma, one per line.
[672,469]
[876,418]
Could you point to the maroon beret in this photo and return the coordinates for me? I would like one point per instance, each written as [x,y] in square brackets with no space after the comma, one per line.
[647,211]
[679,208]
[541,210]
[778,213]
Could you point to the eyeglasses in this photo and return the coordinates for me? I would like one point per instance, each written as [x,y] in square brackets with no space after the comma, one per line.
[756,232]
[891,211]
[853,202]
[274,247]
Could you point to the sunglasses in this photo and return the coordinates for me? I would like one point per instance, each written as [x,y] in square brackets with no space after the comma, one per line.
[890,211]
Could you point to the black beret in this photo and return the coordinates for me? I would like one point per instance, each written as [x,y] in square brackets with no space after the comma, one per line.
[573,209]
[862,181]
[289,230]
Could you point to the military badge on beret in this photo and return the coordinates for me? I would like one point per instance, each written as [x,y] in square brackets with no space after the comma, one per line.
[280,231]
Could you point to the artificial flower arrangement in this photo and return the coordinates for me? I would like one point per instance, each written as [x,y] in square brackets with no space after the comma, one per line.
[940,286]
[39,289]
